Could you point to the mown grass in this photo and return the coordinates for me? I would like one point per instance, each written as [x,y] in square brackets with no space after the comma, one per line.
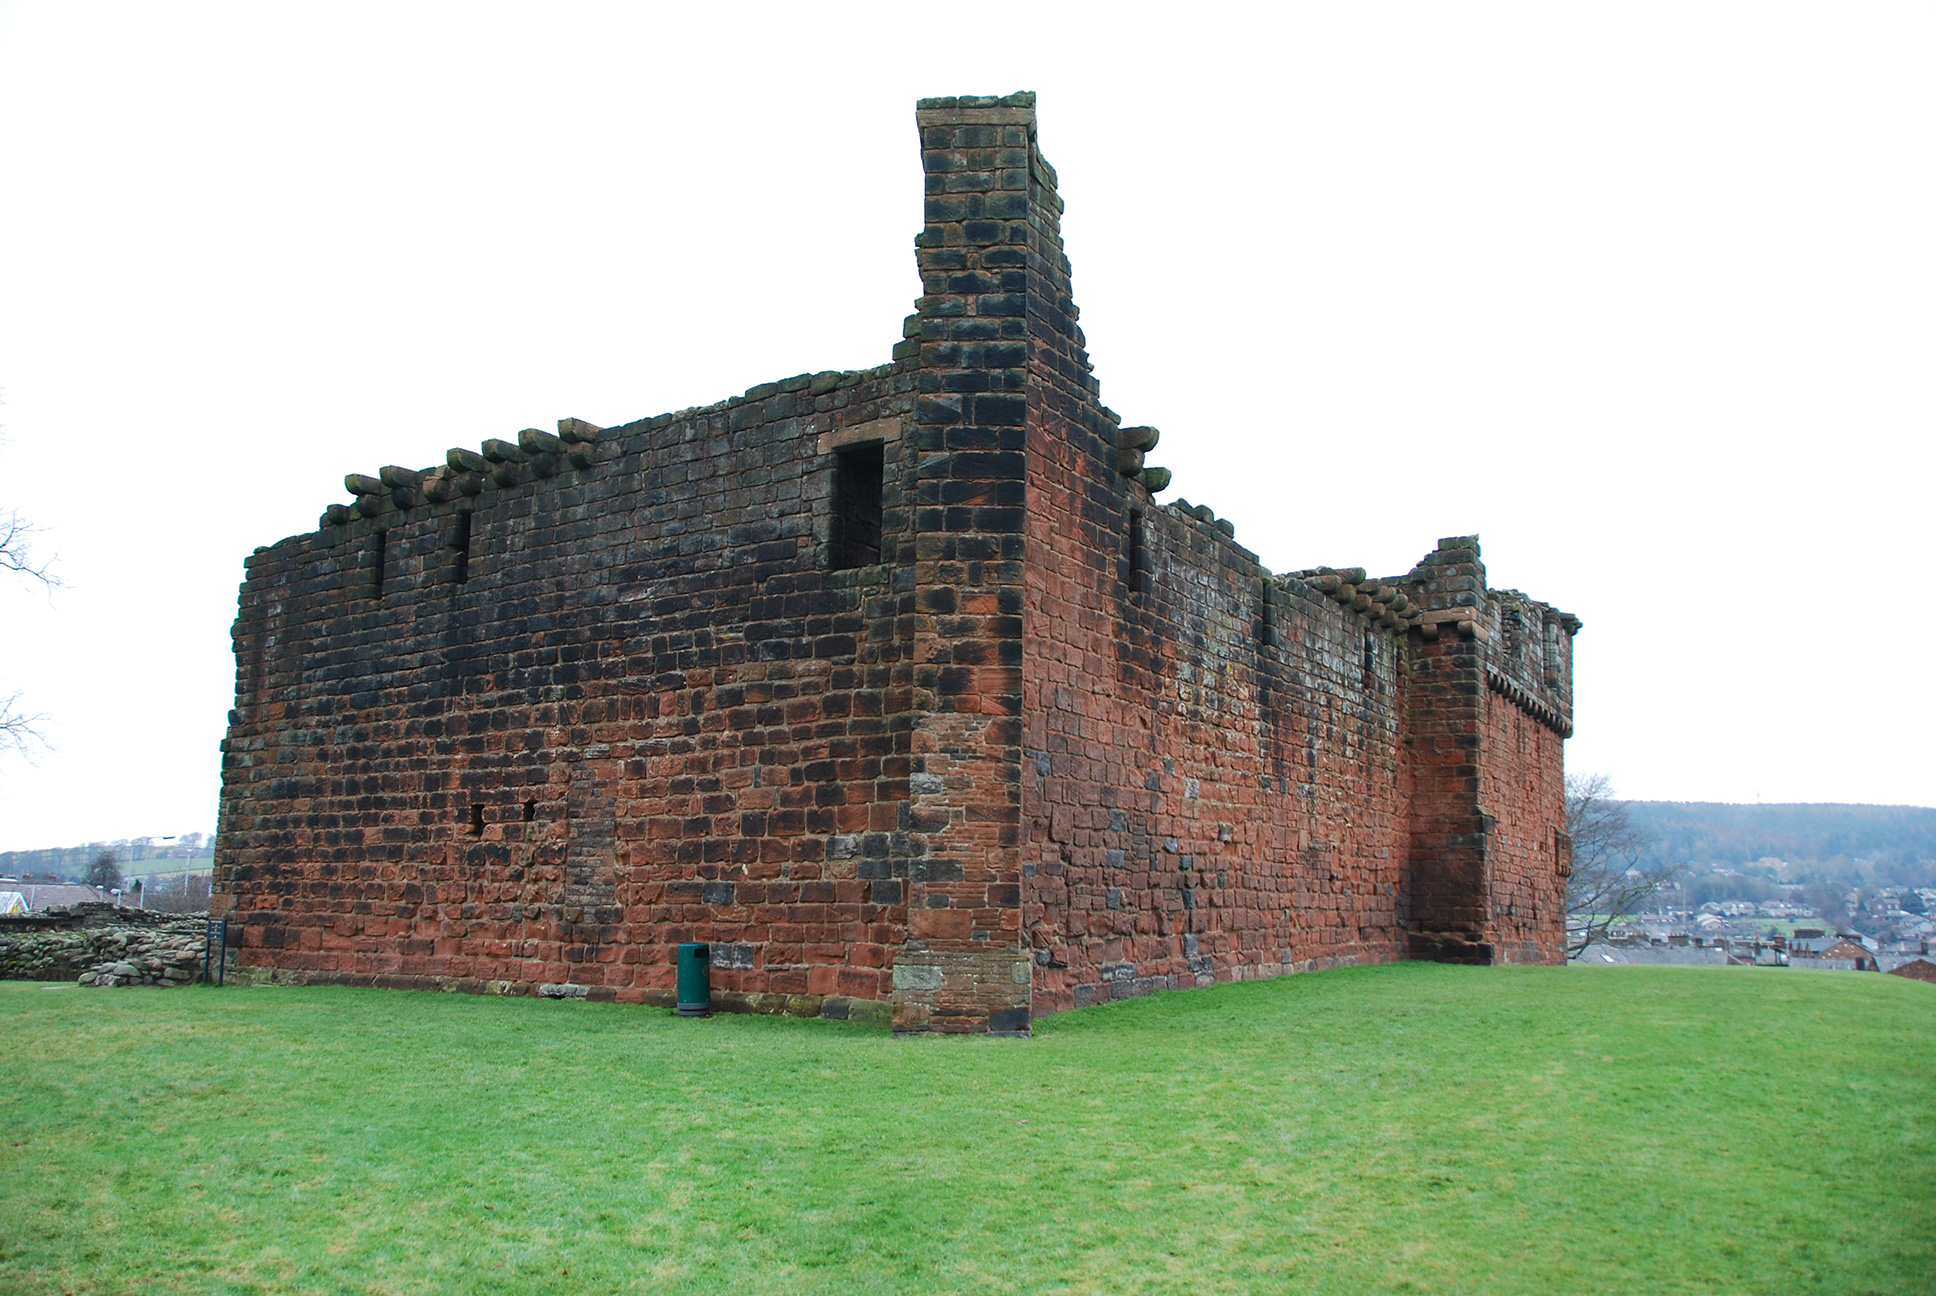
[1411,1128]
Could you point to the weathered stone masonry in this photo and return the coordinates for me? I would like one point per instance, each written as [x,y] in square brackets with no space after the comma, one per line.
[897,686]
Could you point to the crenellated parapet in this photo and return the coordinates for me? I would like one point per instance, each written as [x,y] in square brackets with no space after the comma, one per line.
[466,474]
[1384,602]
[578,446]
[1528,645]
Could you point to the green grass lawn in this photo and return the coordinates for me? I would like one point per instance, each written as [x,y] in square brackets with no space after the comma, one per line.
[1411,1128]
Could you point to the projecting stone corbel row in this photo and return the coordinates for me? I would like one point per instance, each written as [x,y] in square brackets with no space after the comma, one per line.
[1382,601]
[466,472]
[1202,513]
[1132,444]
[1462,620]
[1533,706]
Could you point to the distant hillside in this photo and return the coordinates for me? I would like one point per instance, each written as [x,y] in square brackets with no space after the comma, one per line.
[136,856]
[1709,832]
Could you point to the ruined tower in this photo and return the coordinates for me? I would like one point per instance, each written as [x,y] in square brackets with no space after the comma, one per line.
[900,687]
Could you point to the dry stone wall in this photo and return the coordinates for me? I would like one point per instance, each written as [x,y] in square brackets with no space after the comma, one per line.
[105,945]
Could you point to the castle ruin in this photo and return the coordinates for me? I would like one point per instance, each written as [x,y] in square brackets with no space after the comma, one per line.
[899,687]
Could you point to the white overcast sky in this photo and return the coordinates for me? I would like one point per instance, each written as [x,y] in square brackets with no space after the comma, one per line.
[1644,294]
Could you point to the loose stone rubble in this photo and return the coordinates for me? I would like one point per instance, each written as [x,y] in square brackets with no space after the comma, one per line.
[105,945]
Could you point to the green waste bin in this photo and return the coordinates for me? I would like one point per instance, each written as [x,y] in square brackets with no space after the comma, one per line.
[695,980]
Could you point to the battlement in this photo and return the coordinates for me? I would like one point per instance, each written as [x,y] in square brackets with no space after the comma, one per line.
[539,455]
[898,686]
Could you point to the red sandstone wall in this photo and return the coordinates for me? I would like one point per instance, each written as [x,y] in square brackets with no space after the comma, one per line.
[1529,701]
[962,967]
[1449,907]
[1199,806]
[1491,698]
[1228,774]
[1210,790]
[1521,789]
[679,725]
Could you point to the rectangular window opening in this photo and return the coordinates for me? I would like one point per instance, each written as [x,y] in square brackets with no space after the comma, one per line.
[477,821]
[460,542]
[378,547]
[1371,661]
[1139,563]
[859,472]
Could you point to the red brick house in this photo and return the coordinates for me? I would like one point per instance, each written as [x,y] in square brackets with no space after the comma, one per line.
[1916,969]
[1863,957]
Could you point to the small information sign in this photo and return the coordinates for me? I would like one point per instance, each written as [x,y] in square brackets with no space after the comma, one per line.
[216,956]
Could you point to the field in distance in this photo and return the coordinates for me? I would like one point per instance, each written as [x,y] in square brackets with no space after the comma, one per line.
[1403,1128]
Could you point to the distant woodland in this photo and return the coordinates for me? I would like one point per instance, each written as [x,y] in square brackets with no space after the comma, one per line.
[1707,832]
[1826,856]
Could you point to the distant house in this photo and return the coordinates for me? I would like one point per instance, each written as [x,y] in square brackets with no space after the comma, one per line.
[1919,968]
[1817,943]
[1861,955]
[36,896]
[1674,955]
[1680,955]
[1838,956]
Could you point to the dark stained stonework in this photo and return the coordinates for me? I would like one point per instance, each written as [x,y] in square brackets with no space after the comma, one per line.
[897,686]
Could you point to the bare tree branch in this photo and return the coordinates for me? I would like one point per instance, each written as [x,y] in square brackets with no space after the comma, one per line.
[16,550]
[1606,880]
[177,892]
[20,732]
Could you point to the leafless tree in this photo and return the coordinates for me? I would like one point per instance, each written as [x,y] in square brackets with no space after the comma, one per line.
[1607,880]
[20,729]
[178,892]
[104,871]
[17,550]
